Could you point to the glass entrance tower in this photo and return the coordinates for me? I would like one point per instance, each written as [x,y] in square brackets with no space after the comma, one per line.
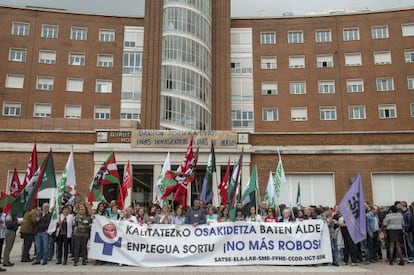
[186,65]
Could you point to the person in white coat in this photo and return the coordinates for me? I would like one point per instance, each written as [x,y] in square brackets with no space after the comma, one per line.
[64,233]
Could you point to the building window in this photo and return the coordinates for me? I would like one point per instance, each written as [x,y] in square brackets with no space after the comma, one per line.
[50,31]
[11,108]
[44,83]
[47,57]
[241,65]
[356,112]
[409,56]
[74,84]
[410,83]
[269,114]
[385,84]
[133,37]
[299,114]
[351,34]
[269,87]
[379,32]
[267,38]
[381,58]
[78,33]
[295,37]
[353,59]
[20,28]
[102,112]
[132,63]
[407,29]
[326,86]
[106,35]
[17,55]
[297,61]
[387,111]
[322,36]
[327,113]
[42,110]
[355,85]
[297,87]
[14,81]
[324,61]
[241,118]
[130,116]
[73,111]
[77,59]
[103,86]
[268,62]
[105,60]
[412,109]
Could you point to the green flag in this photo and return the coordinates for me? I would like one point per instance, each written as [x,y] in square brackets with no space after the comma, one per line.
[298,198]
[234,186]
[279,178]
[269,196]
[206,195]
[249,195]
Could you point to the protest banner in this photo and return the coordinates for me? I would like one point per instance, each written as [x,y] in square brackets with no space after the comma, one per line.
[241,243]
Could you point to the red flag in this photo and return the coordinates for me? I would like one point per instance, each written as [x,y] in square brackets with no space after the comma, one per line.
[224,186]
[31,168]
[15,187]
[125,187]
[6,201]
[186,178]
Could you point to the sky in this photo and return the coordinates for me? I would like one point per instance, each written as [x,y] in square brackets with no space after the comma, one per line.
[240,8]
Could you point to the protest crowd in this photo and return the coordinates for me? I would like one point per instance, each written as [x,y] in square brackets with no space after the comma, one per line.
[389,235]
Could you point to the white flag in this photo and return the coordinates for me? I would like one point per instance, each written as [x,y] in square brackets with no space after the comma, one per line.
[158,185]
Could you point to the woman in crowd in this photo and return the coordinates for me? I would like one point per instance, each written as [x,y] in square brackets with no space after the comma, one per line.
[64,235]
[179,218]
[393,222]
[211,216]
[113,213]
[271,217]
[151,217]
[83,223]
[165,216]
[141,216]
[100,210]
[253,216]
[239,215]
[128,215]
[224,215]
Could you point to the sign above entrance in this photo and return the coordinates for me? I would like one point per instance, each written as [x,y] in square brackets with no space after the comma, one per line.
[172,138]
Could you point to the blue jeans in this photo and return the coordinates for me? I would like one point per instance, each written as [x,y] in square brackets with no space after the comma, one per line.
[42,240]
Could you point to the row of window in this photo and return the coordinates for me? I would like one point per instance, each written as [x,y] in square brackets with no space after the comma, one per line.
[383,84]
[355,112]
[46,83]
[325,35]
[327,60]
[45,110]
[49,57]
[52,31]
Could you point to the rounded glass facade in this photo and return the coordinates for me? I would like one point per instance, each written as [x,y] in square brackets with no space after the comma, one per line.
[186,65]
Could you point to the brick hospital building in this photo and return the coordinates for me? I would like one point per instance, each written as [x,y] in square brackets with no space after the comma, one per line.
[334,93]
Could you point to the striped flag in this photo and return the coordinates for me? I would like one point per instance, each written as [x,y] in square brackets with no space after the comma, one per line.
[279,178]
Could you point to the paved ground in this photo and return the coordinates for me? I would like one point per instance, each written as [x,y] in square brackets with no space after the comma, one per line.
[52,268]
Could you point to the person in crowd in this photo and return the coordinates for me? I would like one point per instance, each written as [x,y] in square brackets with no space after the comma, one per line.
[393,222]
[332,223]
[212,216]
[308,213]
[224,215]
[42,238]
[113,214]
[179,218]
[64,235]
[141,216]
[100,210]
[372,233]
[12,224]
[83,223]
[286,216]
[27,233]
[350,248]
[151,217]
[263,208]
[128,215]
[196,214]
[271,215]
[239,215]
[165,215]
[2,229]
[253,216]
[408,231]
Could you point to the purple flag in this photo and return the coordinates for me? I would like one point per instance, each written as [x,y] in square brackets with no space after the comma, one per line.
[353,211]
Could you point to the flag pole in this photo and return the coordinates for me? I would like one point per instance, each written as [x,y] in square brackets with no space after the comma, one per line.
[257,195]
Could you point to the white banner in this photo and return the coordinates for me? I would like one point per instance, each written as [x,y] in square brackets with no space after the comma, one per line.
[239,243]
